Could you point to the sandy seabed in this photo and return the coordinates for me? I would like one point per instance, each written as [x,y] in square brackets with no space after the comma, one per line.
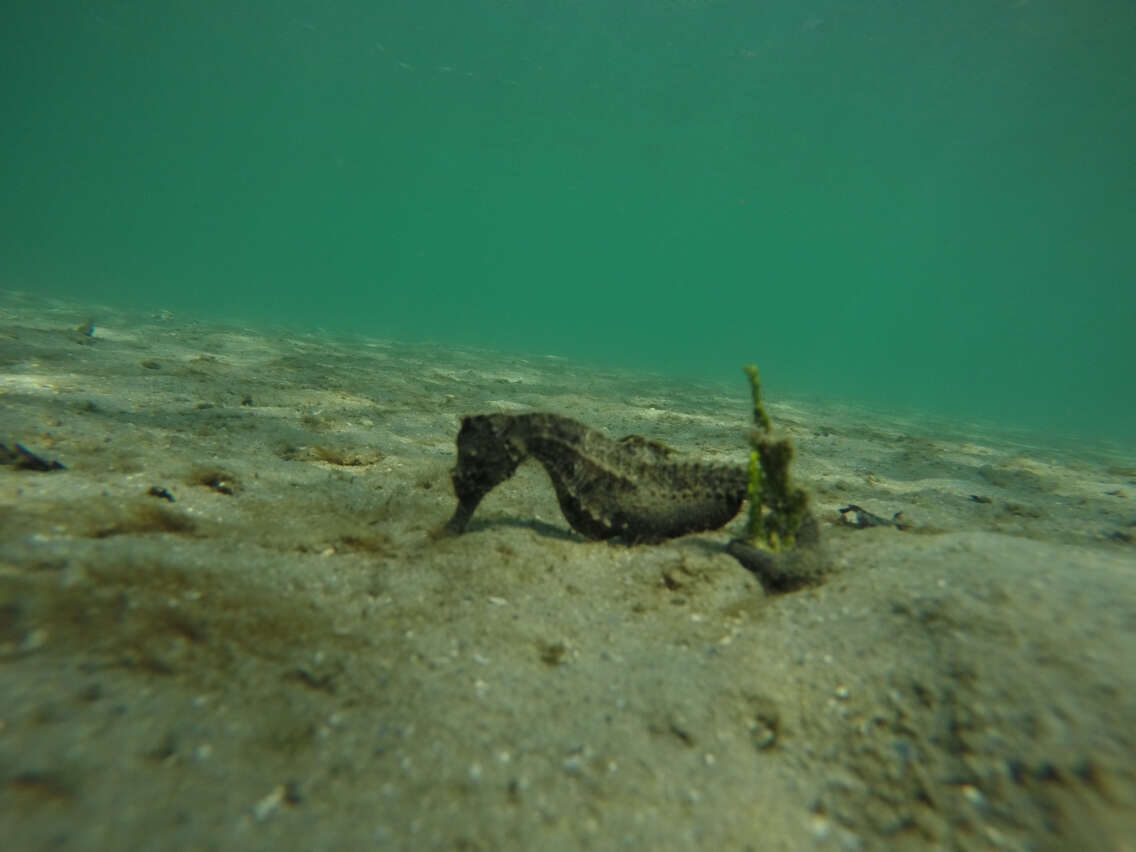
[227,622]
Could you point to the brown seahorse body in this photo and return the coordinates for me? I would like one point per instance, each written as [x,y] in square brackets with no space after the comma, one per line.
[629,489]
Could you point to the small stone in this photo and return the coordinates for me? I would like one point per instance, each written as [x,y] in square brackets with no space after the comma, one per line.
[973,795]
[764,737]
[270,804]
[820,826]
[33,640]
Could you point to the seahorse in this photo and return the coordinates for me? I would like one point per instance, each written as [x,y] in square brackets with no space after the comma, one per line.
[631,489]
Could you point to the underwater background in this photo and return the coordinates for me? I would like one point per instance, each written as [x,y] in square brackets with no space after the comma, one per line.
[917,206]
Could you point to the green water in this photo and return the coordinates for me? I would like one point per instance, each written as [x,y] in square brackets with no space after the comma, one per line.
[917,205]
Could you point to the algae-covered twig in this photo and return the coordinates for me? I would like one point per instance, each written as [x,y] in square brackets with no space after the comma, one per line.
[760,418]
[776,507]
[781,543]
